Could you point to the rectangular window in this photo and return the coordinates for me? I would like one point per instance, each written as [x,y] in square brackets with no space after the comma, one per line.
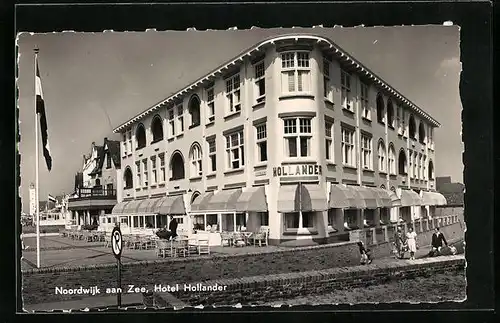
[161,157]
[261,142]
[365,107]
[350,219]
[415,171]
[212,155]
[235,150]
[299,220]
[260,81]
[127,143]
[348,150]
[108,160]
[297,139]
[145,172]
[124,145]
[171,122]
[345,93]
[211,104]
[327,85]
[424,168]
[154,178]
[392,161]
[180,118]
[332,220]
[138,172]
[366,152]
[329,149]
[295,72]
[233,94]
[264,218]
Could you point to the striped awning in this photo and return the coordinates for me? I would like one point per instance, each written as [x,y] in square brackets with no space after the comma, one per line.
[148,206]
[224,200]
[433,198]
[132,207]
[384,197]
[395,200]
[252,199]
[201,201]
[410,198]
[344,197]
[120,207]
[301,197]
[171,205]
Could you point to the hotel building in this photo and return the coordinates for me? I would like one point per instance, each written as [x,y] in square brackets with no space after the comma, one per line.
[293,134]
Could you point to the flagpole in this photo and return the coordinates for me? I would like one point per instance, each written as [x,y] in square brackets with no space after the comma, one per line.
[36,172]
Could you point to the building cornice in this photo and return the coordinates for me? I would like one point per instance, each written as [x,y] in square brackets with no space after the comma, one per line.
[326,45]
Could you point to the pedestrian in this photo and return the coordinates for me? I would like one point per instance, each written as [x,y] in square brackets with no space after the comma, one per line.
[411,240]
[399,243]
[366,254]
[437,242]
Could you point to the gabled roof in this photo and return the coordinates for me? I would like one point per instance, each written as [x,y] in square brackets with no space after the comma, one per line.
[326,44]
[114,152]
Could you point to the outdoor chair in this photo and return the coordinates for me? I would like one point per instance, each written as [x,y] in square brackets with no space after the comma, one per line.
[201,243]
[107,241]
[226,237]
[238,240]
[179,247]
[261,236]
[162,247]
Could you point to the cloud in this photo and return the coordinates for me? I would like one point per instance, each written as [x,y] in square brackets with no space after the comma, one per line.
[448,65]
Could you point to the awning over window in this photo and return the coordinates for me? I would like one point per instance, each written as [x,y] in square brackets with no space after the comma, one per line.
[384,198]
[368,195]
[131,207]
[200,203]
[343,197]
[410,198]
[433,198]
[252,199]
[171,205]
[395,200]
[224,200]
[120,207]
[149,206]
[302,197]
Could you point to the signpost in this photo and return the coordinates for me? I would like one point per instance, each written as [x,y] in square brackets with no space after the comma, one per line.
[117,247]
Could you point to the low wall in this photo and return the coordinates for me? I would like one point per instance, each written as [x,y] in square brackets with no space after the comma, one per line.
[39,284]
[253,290]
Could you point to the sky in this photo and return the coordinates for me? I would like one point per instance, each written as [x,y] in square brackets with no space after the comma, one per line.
[93,82]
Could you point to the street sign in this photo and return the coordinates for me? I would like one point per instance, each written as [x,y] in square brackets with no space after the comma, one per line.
[117,242]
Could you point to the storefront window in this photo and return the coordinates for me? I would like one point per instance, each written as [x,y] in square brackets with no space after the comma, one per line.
[264,218]
[350,217]
[293,220]
[385,215]
[332,220]
[212,221]
[369,217]
[199,222]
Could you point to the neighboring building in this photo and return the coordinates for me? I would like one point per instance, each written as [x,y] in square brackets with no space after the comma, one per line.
[32,199]
[442,180]
[95,186]
[293,134]
[453,193]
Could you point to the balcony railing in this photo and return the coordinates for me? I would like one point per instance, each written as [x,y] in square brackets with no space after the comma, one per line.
[95,192]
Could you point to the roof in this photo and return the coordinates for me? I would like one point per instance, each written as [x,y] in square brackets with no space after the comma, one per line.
[114,152]
[327,45]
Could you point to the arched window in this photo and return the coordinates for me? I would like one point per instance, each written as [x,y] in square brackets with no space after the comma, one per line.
[194,110]
[177,166]
[390,114]
[402,163]
[196,160]
[157,129]
[381,157]
[380,108]
[421,133]
[140,136]
[392,159]
[431,171]
[194,196]
[412,127]
[127,178]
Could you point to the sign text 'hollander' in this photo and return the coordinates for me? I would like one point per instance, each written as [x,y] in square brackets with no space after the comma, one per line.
[297,170]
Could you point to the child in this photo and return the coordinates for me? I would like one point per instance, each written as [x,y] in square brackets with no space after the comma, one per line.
[366,255]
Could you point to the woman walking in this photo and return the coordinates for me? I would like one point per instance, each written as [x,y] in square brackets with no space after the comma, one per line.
[411,239]
[399,244]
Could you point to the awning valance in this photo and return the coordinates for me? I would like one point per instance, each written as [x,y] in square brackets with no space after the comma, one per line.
[433,198]
[384,197]
[410,198]
[224,200]
[343,197]
[301,197]
[200,203]
[252,199]
[120,207]
[171,205]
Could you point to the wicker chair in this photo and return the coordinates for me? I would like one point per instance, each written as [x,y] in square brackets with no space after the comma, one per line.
[107,240]
[201,243]
[162,247]
[226,237]
[261,236]
[238,240]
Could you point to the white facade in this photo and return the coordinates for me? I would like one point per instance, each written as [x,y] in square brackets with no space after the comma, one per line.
[292,109]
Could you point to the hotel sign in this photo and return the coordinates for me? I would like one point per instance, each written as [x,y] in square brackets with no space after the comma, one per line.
[296,170]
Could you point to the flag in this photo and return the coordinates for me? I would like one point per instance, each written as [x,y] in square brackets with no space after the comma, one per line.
[52,199]
[40,110]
